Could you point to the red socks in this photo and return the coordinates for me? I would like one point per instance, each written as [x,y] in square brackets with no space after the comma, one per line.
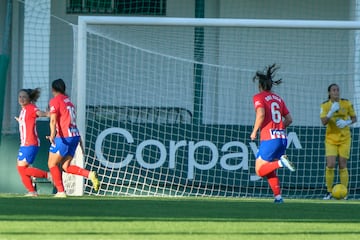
[73,169]
[35,172]
[57,175]
[274,183]
[27,172]
[268,168]
[26,179]
[57,178]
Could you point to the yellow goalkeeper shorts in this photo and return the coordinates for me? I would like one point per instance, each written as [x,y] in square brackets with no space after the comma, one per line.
[342,150]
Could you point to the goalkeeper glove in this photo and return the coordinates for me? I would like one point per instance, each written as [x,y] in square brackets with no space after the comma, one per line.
[334,107]
[343,123]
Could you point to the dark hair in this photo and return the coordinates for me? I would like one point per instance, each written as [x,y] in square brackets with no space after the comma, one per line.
[33,94]
[59,86]
[265,77]
[329,88]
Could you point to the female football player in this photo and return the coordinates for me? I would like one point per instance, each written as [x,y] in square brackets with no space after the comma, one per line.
[29,141]
[337,114]
[272,118]
[64,138]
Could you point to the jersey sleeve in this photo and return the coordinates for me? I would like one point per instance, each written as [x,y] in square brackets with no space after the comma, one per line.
[34,111]
[258,103]
[351,110]
[53,104]
[323,110]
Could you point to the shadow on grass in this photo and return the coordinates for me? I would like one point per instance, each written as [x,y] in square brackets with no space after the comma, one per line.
[15,208]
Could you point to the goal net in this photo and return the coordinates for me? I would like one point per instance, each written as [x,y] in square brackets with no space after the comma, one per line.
[165,104]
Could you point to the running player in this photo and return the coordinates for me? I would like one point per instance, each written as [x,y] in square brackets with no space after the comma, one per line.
[64,138]
[29,140]
[272,118]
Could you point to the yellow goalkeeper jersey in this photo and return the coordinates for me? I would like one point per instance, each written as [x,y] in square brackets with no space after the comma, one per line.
[334,134]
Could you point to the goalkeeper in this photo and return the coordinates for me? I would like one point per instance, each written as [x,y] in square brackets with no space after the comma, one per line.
[336,114]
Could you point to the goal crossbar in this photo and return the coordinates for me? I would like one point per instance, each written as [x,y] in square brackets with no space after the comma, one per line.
[221,22]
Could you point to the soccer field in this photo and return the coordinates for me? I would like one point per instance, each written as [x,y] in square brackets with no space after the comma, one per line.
[98,218]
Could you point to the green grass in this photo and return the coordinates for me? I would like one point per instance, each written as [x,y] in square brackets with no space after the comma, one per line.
[176,218]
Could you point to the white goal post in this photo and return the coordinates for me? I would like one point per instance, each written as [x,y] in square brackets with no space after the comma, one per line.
[84,21]
[164,104]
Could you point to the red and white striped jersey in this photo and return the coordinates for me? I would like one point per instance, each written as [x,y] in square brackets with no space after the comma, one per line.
[27,125]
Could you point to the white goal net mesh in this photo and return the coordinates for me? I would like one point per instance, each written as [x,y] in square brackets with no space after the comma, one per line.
[169,109]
